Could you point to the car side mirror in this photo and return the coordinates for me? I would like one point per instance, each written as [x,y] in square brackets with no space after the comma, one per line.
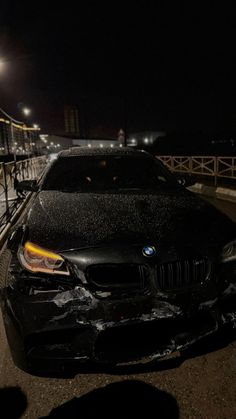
[27,185]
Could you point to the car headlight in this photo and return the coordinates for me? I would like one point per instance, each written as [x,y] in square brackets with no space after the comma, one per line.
[36,259]
[229,252]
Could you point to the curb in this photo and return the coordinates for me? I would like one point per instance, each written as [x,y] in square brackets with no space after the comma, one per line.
[226,194]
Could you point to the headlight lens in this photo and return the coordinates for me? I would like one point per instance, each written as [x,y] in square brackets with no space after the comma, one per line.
[229,252]
[36,259]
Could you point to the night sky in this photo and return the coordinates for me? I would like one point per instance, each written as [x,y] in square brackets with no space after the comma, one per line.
[146,67]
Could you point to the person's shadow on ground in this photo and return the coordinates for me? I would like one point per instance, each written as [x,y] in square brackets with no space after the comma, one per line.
[13,402]
[126,399]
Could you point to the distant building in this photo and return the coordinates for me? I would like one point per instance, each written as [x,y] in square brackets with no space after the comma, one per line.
[96,142]
[55,143]
[71,117]
[16,137]
[121,137]
[51,143]
[144,138]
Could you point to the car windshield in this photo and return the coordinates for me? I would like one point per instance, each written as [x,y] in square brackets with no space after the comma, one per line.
[107,173]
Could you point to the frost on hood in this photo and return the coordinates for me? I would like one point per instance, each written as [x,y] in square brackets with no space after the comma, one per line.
[79,220]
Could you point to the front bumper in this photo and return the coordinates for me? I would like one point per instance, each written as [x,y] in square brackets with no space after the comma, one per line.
[48,331]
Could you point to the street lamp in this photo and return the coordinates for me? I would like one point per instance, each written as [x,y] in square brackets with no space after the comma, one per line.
[1,66]
[26,111]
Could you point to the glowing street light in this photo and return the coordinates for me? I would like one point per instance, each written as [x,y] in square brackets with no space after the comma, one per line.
[36,126]
[26,111]
[2,66]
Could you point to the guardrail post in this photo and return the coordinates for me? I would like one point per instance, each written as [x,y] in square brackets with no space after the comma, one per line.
[191,165]
[5,189]
[215,170]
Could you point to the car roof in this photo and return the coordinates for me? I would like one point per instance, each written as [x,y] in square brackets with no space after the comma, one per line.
[104,151]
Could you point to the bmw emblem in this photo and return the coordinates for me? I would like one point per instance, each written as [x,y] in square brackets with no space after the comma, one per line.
[149,251]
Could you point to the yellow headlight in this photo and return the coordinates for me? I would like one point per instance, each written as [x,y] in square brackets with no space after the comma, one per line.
[36,259]
[41,252]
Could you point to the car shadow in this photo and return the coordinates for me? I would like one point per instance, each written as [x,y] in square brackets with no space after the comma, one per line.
[13,402]
[125,399]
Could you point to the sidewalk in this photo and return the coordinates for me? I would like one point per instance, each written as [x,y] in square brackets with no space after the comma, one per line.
[227,194]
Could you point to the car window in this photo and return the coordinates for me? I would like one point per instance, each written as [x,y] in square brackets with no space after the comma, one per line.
[92,173]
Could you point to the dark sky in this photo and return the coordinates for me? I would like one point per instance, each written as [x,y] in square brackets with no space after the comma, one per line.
[159,67]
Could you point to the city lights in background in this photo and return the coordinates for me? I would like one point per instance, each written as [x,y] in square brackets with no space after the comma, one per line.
[133,142]
[18,136]
[147,140]
[52,145]
[43,137]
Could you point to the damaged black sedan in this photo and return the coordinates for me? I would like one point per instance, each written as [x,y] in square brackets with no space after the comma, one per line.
[113,261]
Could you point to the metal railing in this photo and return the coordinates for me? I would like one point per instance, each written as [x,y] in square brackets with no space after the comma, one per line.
[12,173]
[215,167]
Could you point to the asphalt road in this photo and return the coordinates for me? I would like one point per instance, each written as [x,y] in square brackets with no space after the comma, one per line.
[201,385]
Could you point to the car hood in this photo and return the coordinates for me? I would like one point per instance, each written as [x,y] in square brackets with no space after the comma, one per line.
[63,221]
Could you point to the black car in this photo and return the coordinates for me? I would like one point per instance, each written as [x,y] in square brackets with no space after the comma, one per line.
[114,261]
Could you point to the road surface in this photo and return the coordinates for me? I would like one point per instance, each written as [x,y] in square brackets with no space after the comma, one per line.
[201,385]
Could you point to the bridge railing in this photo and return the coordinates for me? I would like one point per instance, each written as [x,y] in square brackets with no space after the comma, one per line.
[10,174]
[214,167]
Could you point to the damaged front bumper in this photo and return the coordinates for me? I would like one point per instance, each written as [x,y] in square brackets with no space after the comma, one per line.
[48,330]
